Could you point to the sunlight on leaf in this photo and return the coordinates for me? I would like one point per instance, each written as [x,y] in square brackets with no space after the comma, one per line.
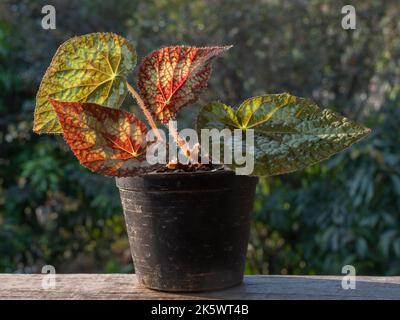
[105,140]
[89,68]
[291,133]
[172,77]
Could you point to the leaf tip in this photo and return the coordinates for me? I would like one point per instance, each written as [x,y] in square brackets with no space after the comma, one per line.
[223,49]
[36,130]
[366,131]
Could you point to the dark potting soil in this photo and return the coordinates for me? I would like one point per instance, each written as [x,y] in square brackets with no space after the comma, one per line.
[198,167]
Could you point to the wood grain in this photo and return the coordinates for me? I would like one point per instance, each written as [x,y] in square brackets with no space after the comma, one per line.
[125,286]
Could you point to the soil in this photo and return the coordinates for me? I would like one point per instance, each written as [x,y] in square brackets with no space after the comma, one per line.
[198,167]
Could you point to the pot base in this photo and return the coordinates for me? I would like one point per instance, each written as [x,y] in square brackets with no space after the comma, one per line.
[188,231]
[183,290]
[189,282]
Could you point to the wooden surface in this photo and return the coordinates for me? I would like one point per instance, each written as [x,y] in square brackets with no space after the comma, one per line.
[125,286]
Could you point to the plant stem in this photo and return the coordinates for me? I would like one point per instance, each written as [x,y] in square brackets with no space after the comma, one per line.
[179,140]
[145,110]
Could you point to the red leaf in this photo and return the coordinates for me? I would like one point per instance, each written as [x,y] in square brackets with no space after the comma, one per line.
[105,140]
[171,78]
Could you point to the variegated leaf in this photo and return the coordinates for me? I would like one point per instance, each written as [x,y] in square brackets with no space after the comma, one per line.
[291,133]
[172,77]
[89,68]
[105,140]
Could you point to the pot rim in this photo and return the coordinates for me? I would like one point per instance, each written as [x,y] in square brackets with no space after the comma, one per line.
[199,180]
[225,171]
[185,173]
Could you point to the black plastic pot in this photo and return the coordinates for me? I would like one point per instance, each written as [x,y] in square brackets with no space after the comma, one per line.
[188,231]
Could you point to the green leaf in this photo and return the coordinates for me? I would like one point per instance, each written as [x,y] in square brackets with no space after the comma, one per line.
[290,133]
[89,68]
[217,115]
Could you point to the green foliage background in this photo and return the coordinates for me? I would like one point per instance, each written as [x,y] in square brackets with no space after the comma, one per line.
[344,211]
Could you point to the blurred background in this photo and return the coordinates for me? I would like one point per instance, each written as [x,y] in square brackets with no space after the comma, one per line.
[343,211]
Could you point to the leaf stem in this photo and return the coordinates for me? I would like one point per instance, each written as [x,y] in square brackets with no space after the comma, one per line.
[146,112]
[179,140]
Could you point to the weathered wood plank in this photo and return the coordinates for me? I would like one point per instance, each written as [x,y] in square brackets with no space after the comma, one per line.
[125,286]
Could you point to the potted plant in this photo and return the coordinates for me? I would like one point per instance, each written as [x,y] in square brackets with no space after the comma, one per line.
[187,219]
